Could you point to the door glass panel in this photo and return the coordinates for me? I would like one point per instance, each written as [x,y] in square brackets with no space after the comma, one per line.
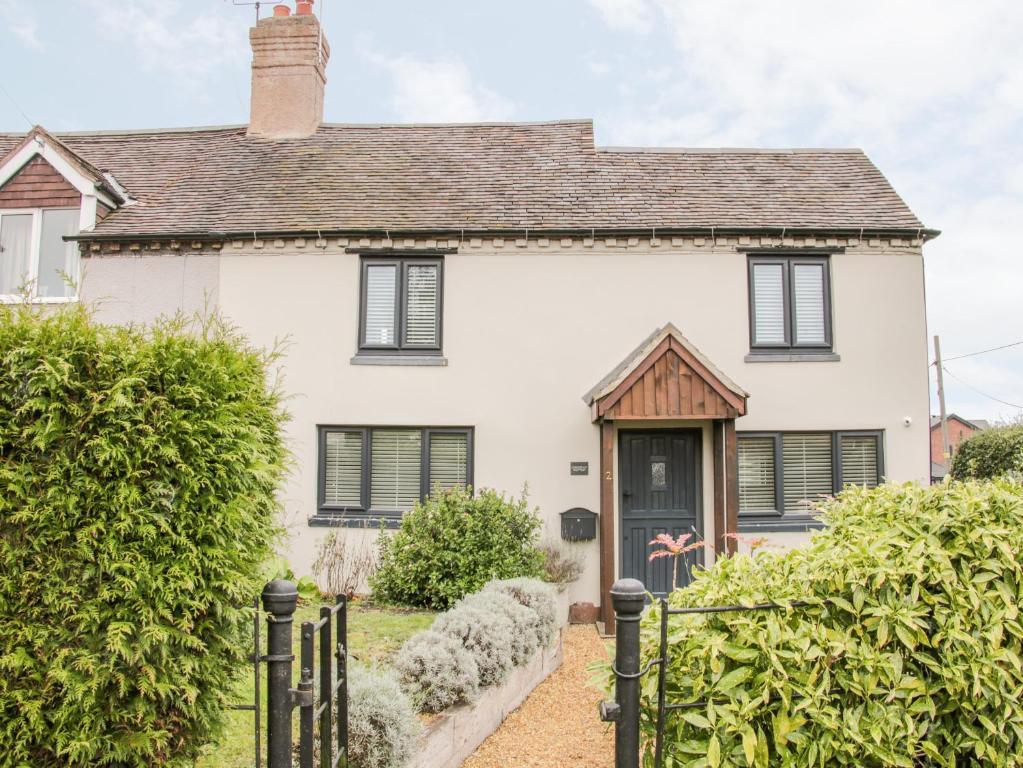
[658,474]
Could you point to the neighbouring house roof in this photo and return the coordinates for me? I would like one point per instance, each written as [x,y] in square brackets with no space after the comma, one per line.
[977,424]
[210,182]
[668,358]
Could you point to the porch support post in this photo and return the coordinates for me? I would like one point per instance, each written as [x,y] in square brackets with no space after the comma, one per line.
[607,523]
[731,484]
[719,539]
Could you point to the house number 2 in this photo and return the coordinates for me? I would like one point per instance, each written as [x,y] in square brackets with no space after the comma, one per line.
[607,475]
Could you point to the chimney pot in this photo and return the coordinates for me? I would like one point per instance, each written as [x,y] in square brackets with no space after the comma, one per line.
[304,8]
[282,10]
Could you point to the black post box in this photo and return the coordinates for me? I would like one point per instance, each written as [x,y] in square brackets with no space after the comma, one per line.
[578,524]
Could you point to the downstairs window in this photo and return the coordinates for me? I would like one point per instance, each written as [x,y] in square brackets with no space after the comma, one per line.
[381,472]
[781,474]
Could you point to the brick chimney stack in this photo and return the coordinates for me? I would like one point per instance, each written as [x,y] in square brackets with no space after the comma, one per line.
[289,61]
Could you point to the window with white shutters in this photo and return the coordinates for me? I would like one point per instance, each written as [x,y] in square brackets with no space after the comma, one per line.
[757,488]
[782,474]
[422,317]
[396,472]
[808,304]
[342,469]
[807,469]
[790,304]
[859,457]
[769,304]
[383,471]
[401,306]
[449,460]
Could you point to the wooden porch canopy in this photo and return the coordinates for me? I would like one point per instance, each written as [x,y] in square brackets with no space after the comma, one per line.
[666,378]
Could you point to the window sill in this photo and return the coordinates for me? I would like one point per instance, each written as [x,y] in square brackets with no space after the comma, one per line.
[369,522]
[792,357]
[38,300]
[427,360]
[800,524]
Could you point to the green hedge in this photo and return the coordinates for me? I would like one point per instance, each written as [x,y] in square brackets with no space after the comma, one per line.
[911,652]
[453,543]
[137,502]
[990,453]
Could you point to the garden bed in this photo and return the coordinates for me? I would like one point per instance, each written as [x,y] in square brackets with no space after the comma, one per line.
[374,634]
[450,737]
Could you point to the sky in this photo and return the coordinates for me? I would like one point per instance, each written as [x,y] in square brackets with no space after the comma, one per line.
[932,90]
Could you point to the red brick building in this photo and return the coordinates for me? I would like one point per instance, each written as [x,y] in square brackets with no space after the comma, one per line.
[958,430]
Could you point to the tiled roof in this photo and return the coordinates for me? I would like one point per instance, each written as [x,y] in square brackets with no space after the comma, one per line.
[481,177]
[975,423]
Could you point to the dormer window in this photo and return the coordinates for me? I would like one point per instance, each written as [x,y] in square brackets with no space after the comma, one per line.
[36,263]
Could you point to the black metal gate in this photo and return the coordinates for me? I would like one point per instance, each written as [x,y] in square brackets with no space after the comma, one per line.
[323,708]
[628,598]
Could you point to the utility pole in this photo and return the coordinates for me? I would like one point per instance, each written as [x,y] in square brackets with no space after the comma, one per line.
[946,449]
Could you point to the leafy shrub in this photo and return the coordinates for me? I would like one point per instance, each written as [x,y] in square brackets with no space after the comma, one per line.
[138,472]
[538,596]
[908,654]
[484,634]
[452,544]
[382,723]
[437,671]
[560,566]
[525,622]
[344,563]
[990,453]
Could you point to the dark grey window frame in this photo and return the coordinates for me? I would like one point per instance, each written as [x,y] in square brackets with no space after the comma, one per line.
[777,520]
[401,265]
[790,345]
[364,515]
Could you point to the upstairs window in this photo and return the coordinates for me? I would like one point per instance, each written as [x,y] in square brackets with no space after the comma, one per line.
[384,471]
[35,261]
[781,474]
[401,306]
[790,304]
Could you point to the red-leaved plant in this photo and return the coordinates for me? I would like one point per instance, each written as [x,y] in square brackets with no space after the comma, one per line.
[674,548]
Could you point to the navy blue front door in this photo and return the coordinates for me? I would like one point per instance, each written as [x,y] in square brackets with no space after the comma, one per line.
[659,492]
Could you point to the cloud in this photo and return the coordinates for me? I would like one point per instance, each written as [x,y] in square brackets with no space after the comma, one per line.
[440,90]
[19,19]
[165,36]
[626,15]
[932,90]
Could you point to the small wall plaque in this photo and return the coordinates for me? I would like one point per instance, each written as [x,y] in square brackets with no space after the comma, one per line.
[580,467]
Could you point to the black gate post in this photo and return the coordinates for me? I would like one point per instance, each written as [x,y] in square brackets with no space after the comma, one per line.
[627,597]
[280,597]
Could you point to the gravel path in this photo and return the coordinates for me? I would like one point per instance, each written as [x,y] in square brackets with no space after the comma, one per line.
[557,726]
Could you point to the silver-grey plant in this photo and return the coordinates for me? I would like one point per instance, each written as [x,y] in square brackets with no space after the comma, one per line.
[437,671]
[485,634]
[525,621]
[537,595]
[382,722]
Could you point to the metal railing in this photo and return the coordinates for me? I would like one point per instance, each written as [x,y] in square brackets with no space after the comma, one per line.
[628,597]
[330,706]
